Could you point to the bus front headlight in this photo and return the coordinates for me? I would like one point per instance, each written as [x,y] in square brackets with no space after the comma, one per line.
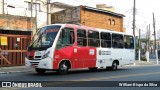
[46,55]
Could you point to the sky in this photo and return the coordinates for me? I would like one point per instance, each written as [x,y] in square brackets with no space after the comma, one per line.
[144,12]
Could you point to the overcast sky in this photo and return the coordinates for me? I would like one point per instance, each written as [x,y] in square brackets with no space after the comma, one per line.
[145,8]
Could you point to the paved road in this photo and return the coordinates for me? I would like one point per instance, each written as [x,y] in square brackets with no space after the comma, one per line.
[128,73]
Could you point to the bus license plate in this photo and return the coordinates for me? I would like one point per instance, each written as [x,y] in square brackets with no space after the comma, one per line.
[33,66]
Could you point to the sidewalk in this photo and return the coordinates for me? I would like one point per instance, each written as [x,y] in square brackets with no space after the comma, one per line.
[15,69]
[18,69]
[142,63]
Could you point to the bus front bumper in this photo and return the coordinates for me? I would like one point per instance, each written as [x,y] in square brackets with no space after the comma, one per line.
[46,63]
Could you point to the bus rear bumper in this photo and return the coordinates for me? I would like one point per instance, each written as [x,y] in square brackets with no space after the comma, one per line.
[46,63]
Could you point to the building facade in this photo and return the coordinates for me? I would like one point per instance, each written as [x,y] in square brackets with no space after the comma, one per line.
[90,16]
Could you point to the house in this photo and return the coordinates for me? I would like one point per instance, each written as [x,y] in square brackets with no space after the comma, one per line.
[15,32]
[18,21]
[58,6]
[89,16]
[15,35]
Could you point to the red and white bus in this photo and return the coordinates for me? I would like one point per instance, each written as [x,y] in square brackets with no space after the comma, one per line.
[62,47]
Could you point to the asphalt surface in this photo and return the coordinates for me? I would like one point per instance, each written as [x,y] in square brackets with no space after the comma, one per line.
[18,69]
[127,73]
[90,80]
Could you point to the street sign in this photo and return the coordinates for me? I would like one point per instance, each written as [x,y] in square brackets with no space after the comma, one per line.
[3,41]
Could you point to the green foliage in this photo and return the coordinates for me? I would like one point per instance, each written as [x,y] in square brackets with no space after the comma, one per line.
[143,59]
[144,40]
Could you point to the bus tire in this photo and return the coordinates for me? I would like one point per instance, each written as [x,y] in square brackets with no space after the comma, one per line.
[63,68]
[93,69]
[113,67]
[40,71]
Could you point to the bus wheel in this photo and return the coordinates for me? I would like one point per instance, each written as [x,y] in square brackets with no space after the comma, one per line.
[93,69]
[113,67]
[63,68]
[40,71]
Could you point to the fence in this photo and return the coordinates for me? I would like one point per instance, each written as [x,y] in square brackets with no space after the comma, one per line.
[13,46]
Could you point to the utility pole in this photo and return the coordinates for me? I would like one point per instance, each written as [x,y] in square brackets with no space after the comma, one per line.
[2,6]
[149,33]
[147,44]
[134,14]
[31,8]
[48,11]
[139,46]
[36,15]
[31,16]
[155,45]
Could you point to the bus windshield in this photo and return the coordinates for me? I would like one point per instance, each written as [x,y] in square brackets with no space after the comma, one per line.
[44,38]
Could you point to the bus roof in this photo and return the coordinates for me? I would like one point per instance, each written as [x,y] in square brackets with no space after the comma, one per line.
[90,28]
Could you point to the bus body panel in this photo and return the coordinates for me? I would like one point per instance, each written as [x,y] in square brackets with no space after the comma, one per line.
[80,57]
[128,56]
[35,60]
[104,57]
[62,54]
[87,56]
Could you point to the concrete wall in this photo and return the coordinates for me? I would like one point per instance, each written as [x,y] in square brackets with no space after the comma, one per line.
[16,22]
[21,8]
[66,16]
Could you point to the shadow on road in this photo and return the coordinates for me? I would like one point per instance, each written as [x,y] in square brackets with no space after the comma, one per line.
[73,72]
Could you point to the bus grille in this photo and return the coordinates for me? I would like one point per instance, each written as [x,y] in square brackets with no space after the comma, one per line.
[30,57]
[37,57]
[34,64]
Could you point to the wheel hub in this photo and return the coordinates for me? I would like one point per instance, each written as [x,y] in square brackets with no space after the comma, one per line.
[64,67]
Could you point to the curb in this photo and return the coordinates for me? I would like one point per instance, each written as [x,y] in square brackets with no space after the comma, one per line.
[9,72]
[140,65]
[15,69]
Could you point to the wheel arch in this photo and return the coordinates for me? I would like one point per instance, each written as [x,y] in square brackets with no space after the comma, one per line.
[68,62]
[116,60]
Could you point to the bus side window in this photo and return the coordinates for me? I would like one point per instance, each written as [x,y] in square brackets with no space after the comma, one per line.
[71,37]
[66,37]
[81,37]
[93,38]
[117,41]
[129,42]
[105,39]
[62,33]
[132,42]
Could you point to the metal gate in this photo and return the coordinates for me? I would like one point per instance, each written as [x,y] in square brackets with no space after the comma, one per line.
[13,46]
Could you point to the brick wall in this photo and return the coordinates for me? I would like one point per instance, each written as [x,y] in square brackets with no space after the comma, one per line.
[92,18]
[101,20]
[16,22]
